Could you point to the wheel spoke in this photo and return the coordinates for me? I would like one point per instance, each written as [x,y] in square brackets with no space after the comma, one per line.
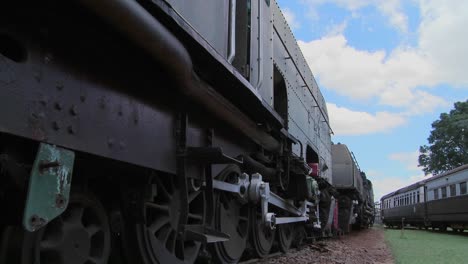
[243,218]
[160,207]
[163,189]
[93,229]
[48,245]
[74,215]
[78,213]
[172,241]
[193,195]
[195,216]
[92,260]
[164,234]
[158,224]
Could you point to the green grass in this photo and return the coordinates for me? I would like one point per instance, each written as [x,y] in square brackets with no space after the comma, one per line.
[419,246]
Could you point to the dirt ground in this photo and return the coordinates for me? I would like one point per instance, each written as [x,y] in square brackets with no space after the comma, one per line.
[359,247]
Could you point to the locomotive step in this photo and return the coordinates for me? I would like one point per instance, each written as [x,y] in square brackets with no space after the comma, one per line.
[204,234]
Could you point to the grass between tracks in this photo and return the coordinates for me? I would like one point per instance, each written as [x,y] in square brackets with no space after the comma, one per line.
[420,246]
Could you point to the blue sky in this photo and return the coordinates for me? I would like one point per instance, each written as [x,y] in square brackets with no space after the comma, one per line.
[387,70]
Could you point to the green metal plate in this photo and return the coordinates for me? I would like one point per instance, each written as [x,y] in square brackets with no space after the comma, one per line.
[49,186]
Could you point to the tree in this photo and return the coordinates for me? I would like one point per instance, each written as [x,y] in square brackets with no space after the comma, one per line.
[448,142]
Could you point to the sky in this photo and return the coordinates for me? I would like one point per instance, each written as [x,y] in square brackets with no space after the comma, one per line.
[387,69]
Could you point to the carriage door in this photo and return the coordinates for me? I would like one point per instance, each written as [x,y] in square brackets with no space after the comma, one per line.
[423,199]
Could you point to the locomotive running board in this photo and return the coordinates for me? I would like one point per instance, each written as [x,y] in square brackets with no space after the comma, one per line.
[204,234]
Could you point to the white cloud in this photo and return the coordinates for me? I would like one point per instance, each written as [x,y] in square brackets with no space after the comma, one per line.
[423,102]
[403,77]
[389,8]
[392,9]
[396,78]
[443,34]
[364,75]
[409,159]
[337,29]
[348,122]
[291,18]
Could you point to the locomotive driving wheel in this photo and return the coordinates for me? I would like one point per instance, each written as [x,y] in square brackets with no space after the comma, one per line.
[262,236]
[157,236]
[232,218]
[285,236]
[81,235]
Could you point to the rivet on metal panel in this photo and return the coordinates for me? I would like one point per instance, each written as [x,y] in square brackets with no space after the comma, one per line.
[43,100]
[102,102]
[47,58]
[73,110]
[36,222]
[60,86]
[110,142]
[58,106]
[122,145]
[56,125]
[60,201]
[71,129]
[38,76]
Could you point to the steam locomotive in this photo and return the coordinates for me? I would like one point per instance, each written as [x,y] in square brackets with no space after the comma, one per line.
[163,131]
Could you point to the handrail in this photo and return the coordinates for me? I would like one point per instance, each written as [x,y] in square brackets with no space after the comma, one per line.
[232,32]
[260,46]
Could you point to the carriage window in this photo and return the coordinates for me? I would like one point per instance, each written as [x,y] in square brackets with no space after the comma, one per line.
[453,190]
[436,194]
[417,196]
[444,192]
[463,188]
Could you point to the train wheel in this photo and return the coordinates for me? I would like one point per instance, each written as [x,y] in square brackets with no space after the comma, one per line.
[81,235]
[232,218]
[262,236]
[157,239]
[285,237]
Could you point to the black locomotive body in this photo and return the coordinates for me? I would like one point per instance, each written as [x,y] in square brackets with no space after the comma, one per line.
[157,132]
[437,202]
